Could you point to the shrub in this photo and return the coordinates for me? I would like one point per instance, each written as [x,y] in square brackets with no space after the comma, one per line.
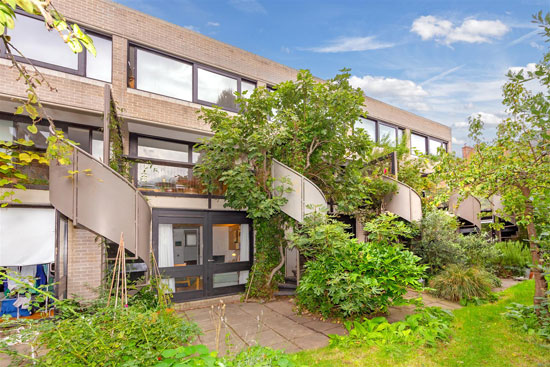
[425,327]
[457,283]
[439,242]
[479,251]
[515,257]
[350,278]
[258,356]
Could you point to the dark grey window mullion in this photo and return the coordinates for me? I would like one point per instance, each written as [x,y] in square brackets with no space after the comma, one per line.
[82,55]
[195,83]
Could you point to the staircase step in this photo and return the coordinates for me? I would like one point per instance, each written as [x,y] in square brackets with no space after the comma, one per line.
[287,286]
[285,293]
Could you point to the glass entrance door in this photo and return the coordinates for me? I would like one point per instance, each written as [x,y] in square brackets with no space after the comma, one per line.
[202,254]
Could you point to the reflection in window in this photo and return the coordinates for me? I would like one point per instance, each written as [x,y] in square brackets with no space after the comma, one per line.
[230,279]
[40,139]
[399,135]
[97,145]
[99,67]
[7,131]
[418,143]
[180,245]
[162,149]
[434,146]
[230,243]
[216,89]
[247,87]
[35,43]
[387,134]
[154,177]
[368,126]
[164,75]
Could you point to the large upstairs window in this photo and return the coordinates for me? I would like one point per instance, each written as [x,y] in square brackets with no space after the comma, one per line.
[387,134]
[369,126]
[47,49]
[163,75]
[418,144]
[155,72]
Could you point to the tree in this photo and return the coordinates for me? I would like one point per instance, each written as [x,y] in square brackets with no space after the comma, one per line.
[15,154]
[516,164]
[307,125]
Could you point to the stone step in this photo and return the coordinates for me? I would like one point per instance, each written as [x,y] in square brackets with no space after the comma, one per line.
[287,286]
[287,292]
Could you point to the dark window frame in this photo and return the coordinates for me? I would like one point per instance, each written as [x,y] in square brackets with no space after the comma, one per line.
[82,56]
[395,127]
[162,162]
[132,67]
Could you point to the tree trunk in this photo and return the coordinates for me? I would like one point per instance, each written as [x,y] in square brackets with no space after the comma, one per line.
[541,285]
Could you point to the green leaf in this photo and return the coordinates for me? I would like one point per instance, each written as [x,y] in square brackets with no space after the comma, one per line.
[26,5]
[20,110]
[32,128]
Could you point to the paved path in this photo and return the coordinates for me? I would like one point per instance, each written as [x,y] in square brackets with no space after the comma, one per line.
[276,324]
[273,324]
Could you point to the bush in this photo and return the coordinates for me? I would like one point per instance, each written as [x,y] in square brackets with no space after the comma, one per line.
[439,242]
[479,251]
[515,258]
[427,327]
[459,283]
[350,278]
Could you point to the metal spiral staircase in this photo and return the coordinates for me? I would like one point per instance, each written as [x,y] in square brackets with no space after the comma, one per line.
[94,196]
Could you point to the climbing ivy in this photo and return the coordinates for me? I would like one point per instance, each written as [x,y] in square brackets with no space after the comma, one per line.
[117,160]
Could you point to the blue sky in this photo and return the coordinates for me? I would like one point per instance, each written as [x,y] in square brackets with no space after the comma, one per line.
[444,60]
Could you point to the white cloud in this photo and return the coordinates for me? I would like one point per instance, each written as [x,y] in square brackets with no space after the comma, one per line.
[192,28]
[401,92]
[529,67]
[458,141]
[488,119]
[213,24]
[285,49]
[349,44]
[523,38]
[536,45]
[470,31]
[461,124]
[248,6]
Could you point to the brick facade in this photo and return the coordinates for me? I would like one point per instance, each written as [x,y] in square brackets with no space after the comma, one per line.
[85,263]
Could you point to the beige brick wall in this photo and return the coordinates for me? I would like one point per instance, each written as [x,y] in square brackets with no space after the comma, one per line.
[85,263]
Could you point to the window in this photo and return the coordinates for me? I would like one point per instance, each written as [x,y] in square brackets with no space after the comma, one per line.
[369,126]
[400,135]
[434,146]
[162,75]
[418,143]
[165,166]
[162,149]
[48,50]
[170,76]
[216,89]
[247,87]
[99,67]
[97,145]
[387,134]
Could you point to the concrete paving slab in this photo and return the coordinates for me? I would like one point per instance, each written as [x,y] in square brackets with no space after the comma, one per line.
[311,341]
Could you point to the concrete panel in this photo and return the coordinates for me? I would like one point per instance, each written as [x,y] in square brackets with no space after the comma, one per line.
[405,202]
[469,209]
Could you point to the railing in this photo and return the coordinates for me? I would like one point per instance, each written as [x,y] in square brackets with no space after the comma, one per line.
[468,209]
[305,195]
[98,198]
[405,202]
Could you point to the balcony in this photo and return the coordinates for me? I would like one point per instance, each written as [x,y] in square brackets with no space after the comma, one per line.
[405,202]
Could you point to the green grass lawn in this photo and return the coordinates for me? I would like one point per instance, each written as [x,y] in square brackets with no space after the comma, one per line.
[482,337]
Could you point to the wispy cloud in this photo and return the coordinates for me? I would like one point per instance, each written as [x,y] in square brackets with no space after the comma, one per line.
[470,31]
[536,45]
[248,6]
[192,28]
[350,44]
[442,75]
[405,93]
[523,38]
[213,24]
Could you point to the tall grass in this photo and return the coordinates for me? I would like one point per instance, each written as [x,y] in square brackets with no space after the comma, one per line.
[458,283]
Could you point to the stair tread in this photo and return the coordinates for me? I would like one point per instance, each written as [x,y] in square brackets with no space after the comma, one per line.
[287,286]
[285,293]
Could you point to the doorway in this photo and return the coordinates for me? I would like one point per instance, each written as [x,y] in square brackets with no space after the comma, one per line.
[202,253]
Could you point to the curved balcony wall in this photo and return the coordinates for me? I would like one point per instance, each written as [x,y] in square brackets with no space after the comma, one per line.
[405,202]
[100,199]
[305,195]
[468,210]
